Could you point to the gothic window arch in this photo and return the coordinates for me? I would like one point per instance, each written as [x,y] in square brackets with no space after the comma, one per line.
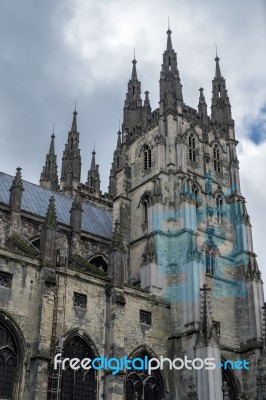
[219,208]
[230,384]
[78,384]
[142,386]
[146,157]
[216,158]
[10,361]
[192,147]
[100,263]
[210,258]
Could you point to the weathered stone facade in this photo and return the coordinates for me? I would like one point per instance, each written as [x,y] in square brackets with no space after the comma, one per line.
[163,265]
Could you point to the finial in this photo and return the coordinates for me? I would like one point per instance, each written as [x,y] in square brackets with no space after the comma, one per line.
[134,53]
[53,135]
[94,146]
[168,23]
[216,54]
[201,91]
[75,106]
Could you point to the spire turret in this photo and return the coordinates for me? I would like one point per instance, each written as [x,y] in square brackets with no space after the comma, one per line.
[133,102]
[71,160]
[220,108]
[49,175]
[202,106]
[170,84]
[146,109]
[93,180]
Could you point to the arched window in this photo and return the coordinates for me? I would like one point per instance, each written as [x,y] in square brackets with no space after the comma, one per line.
[219,207]
[9,361]
[216,158]
[192,147]
[147,157]
[78,384]
[210,260]
[230,384]
[100,263]
[142,386]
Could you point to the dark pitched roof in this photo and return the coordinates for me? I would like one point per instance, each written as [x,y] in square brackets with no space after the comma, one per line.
[35,200]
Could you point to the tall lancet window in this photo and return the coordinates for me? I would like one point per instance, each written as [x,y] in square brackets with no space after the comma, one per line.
[210,260]
[192,147]
[78,384]
[219,207]
[216,158]
[9,361]
[147,157]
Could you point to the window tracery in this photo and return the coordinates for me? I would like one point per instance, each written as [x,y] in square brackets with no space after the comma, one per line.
[210,260]
[216,158]
[142,386]
[192,147]
[147,157]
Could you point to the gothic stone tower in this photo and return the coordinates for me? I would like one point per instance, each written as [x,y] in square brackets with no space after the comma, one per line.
[163,265]
[186,230]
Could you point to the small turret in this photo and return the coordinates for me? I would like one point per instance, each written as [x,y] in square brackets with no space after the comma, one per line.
[49,235]
[15,201]
[93,180]
[220,108]
[71,160]
[49,175]
[202,106]
[170,84]
[133,102]
[16,190]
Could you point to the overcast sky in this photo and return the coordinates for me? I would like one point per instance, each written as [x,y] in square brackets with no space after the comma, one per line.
[54,52]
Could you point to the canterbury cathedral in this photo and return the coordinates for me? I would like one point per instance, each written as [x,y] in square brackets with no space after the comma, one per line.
[160,267]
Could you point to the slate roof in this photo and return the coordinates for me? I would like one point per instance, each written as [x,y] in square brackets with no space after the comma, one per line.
[35,200]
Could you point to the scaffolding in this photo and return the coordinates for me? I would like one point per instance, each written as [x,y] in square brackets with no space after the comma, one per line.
[58,328]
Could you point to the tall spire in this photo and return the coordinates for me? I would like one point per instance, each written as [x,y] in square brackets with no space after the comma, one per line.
[71,160]
[49,176]
[170,84]
[133,102]
[220,108]
[93,180]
